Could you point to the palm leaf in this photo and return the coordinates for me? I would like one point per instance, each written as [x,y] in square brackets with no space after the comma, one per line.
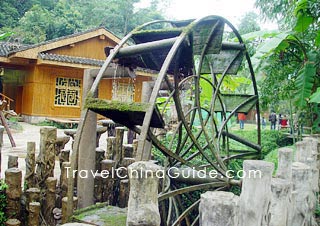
[315,98]
[304,83]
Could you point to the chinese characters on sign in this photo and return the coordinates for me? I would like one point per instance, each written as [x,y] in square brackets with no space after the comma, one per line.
[67,92]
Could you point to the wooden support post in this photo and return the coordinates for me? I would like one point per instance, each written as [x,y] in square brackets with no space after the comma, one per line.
[111,143]
[50,202]
[108,182]
[124,193]
[100,155]
[118,145]
[33,195]
[65,216]
[86,150]
[143,193]
[219,208]
[255,197]
[46,158]
[34,214]
[12,161]
[30,165]
[4,123]
[13,180]
[64,178]
[127,151]
[13,222]
[135,148]
[64,157]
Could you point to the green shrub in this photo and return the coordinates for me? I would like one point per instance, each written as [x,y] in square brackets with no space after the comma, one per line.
[3,201]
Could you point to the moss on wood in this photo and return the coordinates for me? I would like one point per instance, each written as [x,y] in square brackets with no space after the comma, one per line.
[101,104]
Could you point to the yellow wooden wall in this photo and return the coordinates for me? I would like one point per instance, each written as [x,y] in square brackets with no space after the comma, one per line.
[90,48]
[39,91]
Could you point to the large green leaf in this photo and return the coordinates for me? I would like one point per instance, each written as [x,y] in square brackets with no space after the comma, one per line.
[317,41]
[303,22]
[270,45]
[304,83]
[315,98]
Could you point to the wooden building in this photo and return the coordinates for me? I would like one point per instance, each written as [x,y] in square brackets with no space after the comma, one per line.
[46,79]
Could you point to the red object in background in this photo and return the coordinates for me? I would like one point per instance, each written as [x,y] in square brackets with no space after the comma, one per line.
[284,122]
[241,116]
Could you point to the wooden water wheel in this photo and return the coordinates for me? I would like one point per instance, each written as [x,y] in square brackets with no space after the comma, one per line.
[194,65]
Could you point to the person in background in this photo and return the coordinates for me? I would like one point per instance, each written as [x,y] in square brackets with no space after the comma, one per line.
[263,122]
[273,120]
[241,118]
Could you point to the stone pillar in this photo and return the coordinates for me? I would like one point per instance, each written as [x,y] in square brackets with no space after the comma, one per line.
[30,165]
[13,180]
[280,202]
[303,196]
[285,157]
[255,197]
[50,202]
[46,158]
[219,208]
[12,161]
[34,214]
[144,184]
[86,151]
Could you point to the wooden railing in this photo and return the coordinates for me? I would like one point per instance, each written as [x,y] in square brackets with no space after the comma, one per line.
[6,99]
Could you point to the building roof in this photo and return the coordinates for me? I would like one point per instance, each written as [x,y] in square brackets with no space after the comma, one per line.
[70,59]
[8,49]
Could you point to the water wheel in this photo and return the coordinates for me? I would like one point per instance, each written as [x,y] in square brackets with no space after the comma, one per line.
[190,109]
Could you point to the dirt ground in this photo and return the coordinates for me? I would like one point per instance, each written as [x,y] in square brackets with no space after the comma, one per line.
[29,133]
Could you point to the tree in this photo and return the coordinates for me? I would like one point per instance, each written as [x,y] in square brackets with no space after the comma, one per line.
[248,23]
[292,57]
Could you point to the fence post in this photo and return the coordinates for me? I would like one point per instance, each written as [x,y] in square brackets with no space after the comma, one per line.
[255,197]
[143,194]
[219,208]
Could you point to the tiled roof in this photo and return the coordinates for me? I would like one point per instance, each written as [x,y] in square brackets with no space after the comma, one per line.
[7,47]
[70,59]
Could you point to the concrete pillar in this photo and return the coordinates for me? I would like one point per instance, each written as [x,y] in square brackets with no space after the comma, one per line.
[303,196]
[255,197]
[219,208]
[280,202]
[86,152]
[285,157]
[143,194]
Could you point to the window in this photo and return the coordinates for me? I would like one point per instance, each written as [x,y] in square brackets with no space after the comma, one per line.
[67,92]
[122,92]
